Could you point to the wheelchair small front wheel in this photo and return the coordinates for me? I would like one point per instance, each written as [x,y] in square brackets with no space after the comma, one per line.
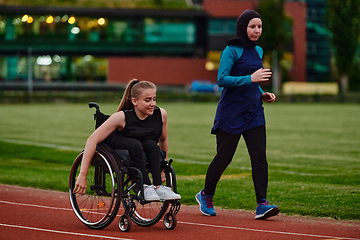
[125,223]
[170,221]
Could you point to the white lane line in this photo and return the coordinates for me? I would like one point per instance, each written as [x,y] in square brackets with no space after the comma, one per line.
[205,225]
[39,206]
[268,231]
[63,232]
[39,144]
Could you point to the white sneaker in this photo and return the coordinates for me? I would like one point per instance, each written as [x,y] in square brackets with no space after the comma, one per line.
[150,194]
[165,193]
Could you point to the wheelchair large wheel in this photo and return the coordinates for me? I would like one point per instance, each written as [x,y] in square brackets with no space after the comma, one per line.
[145,213]
[98,207]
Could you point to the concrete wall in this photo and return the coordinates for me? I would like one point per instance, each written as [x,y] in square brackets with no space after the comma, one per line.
[227,8]
[297,10]
[166,71]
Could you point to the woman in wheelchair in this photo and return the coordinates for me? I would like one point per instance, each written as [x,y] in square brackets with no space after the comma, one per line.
[140,127]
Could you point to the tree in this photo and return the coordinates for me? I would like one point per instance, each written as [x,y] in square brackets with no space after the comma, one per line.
[276,34]
[343,21]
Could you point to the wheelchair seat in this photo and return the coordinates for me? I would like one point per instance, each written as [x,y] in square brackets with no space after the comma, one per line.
[125,160]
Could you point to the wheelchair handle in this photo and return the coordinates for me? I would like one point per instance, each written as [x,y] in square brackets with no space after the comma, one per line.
[93,104]
[170,162]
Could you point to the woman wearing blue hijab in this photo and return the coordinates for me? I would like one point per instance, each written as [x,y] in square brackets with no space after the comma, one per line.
[240,113]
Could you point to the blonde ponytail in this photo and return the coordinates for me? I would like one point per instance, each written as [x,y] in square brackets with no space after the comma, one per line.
[133,90]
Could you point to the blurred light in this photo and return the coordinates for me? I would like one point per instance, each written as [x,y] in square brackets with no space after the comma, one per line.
[57,19]
[44,60]
[41,19]
[25,18]
[210,66]
[101,21]
[30,19]
[149,21]
[71,20]
[90,24]
[16,21]
[88,58]
[50,19]
[64,18]
[75,30]
[57,58]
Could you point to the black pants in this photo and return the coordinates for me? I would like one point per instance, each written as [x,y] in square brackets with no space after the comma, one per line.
[255,140]
[136,151]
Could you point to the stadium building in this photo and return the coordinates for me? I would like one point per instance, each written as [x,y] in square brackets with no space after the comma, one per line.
[168,47]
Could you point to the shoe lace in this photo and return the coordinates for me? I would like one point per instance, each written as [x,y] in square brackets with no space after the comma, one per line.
[166,188]
[148,188]
[264,203]
[209,202]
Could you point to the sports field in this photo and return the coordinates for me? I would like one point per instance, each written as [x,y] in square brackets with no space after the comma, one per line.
[313,153]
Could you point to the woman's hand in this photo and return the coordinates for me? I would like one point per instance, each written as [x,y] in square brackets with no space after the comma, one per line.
[81,184]
[268,97]
[261,75]
[163,141]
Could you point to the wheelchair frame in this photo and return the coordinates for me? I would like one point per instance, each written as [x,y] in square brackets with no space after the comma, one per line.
[112,181]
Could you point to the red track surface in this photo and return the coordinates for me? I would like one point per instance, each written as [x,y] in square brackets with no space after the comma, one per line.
[27,213]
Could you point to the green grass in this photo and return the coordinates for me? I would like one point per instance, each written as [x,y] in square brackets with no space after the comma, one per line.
[313,153]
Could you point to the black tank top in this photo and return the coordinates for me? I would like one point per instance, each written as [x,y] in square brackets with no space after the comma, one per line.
[149,128]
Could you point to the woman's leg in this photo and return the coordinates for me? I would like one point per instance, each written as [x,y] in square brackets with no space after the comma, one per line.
[136,153]
[226,147]
[255,139]
[152,151]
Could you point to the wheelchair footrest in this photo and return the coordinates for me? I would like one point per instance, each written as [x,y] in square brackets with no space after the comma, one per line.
[130,209]
[175,207]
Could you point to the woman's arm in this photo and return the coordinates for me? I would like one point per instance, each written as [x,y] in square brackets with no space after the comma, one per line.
[261,91]
[163,141]
[228,57]
[117,120]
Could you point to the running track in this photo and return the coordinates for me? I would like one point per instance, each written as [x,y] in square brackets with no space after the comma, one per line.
[38,214]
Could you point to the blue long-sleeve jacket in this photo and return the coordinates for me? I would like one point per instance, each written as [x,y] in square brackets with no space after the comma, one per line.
[240,106]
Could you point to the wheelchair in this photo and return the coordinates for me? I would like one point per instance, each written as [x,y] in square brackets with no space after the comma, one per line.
[112,181]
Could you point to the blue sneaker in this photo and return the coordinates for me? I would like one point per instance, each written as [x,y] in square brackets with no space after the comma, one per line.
[206,203]
[264,210]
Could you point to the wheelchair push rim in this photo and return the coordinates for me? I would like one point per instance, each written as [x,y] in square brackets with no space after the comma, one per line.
[98,207]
